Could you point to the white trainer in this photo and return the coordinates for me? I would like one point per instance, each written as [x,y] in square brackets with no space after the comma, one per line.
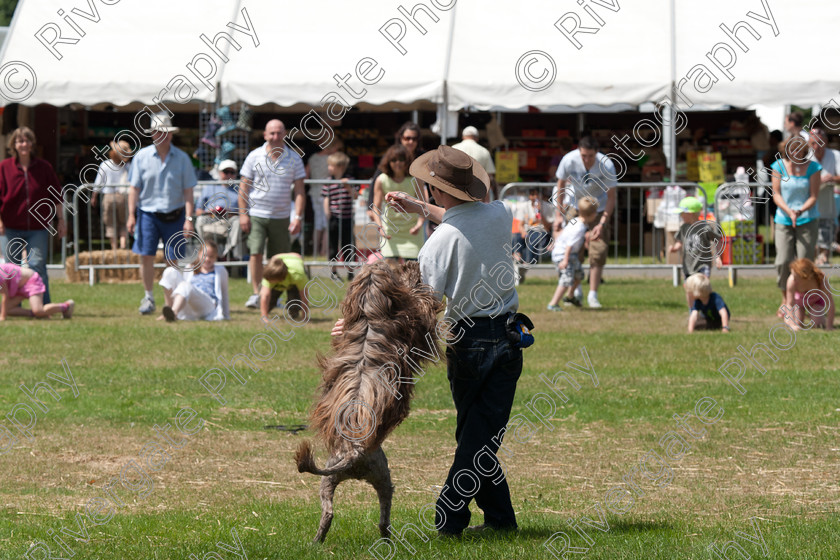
[147,306]
[253,301]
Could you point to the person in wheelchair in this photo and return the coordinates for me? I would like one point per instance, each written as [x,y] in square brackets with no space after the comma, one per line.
[218,213]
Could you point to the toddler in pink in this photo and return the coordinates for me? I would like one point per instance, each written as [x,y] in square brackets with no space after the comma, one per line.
[18,284]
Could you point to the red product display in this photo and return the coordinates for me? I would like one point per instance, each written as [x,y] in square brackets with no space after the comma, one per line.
[726,257]
[533,133]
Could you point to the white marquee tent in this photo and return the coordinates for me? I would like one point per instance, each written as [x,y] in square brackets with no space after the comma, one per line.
[119,51]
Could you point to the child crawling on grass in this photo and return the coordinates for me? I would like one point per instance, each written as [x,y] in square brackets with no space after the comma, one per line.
[699,239]
[706,304]
[285,272]
[17,284]
[805,290]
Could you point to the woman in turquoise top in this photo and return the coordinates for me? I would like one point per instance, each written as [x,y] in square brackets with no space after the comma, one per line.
[796,182]
[402,233]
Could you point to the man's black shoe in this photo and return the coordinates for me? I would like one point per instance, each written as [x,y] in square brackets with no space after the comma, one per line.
[443,534]
[483,528]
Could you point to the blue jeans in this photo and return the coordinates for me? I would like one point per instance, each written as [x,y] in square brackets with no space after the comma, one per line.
[151,229]
[483,369]
[536,245]
[36,242]
[518,244]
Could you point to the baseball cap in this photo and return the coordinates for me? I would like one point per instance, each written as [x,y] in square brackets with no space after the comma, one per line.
[228,164]
[690,204]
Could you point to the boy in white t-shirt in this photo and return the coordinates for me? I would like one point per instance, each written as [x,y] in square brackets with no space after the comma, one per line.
[566,254]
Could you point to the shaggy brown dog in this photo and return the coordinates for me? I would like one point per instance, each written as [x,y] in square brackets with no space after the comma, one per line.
[368,382]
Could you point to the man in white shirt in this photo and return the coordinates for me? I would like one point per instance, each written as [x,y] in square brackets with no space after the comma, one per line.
[582,173]
[269,176]
[470,146]
[830,161]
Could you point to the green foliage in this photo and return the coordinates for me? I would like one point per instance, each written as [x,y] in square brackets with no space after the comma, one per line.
[7,10]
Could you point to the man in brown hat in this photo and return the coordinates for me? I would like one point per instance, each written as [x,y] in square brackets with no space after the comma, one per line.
[468,260]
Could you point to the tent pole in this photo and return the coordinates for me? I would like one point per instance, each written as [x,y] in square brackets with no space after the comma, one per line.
[444,120]
[673,108]
[222,64]
[444,116]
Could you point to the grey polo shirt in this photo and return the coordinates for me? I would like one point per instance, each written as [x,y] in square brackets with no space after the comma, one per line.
[468,260]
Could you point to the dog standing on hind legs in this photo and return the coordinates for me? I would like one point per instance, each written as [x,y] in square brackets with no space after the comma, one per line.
[367,382]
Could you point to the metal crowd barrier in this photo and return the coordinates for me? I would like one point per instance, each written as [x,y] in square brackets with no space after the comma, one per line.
[635,199]
[638,200]
[733,196]
[82,196]
[313,256]
[82,200]
[631,189]
[64,239]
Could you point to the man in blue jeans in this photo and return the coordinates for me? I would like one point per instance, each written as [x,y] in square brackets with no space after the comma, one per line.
[466,260]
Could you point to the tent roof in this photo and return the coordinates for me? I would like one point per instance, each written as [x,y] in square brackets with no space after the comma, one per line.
[298,61]
[133,53]
[618,64]
[478,54]
[130,54]
[775,69]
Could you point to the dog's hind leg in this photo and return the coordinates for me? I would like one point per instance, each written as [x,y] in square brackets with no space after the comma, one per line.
[328,485]
[380,477]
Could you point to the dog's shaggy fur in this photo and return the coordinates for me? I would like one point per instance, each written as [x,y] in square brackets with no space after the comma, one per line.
[387,313]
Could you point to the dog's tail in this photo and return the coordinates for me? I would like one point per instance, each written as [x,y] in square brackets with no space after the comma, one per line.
[306,461]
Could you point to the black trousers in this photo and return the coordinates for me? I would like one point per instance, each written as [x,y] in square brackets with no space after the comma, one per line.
[340,235]
[483,369]
[292,294]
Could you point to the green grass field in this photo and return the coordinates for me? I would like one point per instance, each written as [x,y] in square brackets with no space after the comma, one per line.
[771,456]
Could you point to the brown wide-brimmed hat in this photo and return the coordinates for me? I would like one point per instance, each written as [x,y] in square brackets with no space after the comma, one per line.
[453,172]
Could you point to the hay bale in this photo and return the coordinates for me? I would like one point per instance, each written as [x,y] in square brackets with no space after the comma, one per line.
[109,276]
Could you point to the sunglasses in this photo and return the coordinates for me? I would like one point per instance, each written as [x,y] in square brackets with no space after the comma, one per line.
[410,138]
